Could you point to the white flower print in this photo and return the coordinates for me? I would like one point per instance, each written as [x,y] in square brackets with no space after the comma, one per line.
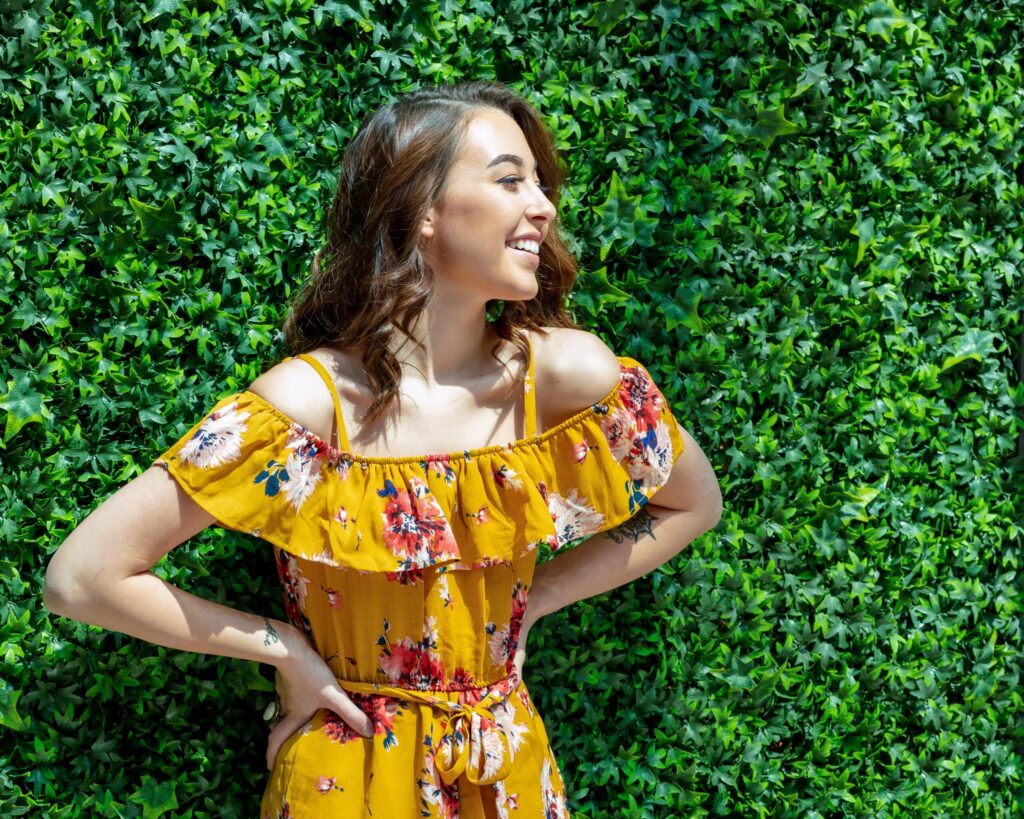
[218,440]
[653,465]
[304,471]
[505,716]
[573,517]
[296,582]
[498,644]
[554,800]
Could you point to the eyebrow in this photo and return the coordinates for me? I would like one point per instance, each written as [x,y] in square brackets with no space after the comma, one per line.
[515,160]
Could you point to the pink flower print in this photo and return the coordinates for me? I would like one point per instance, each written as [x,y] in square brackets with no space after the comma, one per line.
[415,527]
[641,397]
[413,664]
[218,440]
[440,465]
[341,516]
[334,599]
[506,476]
[382,710]
[325,784]
[481,516]
[407,578]
[579,452]
[461,678]
[336,729]
[619,428]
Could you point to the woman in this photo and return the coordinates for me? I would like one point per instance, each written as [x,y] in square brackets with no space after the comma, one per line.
[410,579]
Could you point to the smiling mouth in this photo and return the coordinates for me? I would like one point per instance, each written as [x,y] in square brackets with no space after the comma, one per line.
[525,253]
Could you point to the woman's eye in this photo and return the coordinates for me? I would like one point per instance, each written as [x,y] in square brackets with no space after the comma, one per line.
[515,180]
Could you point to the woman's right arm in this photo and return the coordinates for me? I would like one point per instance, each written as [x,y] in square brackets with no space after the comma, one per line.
[101,575]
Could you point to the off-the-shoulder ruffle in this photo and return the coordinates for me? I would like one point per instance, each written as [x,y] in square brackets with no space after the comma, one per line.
[258,471]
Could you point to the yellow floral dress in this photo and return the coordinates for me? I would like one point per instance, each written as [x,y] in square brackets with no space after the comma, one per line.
[411,577]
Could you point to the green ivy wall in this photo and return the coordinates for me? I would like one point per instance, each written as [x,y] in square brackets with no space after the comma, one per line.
[803,217]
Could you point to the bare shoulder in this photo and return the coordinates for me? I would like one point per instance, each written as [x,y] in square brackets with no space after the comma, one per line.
[297,390]
[574,370]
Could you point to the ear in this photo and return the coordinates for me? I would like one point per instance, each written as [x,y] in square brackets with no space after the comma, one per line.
[429,223]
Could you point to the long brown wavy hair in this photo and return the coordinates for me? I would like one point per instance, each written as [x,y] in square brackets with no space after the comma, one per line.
[370,275]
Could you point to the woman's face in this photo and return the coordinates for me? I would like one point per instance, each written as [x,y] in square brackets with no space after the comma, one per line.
[489,201]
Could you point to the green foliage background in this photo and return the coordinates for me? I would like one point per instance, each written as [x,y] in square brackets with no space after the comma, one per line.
[803,218]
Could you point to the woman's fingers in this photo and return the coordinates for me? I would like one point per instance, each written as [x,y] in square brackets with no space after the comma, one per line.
[279,734]
[345,708]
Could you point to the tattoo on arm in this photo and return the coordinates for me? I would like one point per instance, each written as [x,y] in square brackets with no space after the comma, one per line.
[271,634]
[639,524]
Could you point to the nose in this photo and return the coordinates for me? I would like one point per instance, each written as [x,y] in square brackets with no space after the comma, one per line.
[541,208]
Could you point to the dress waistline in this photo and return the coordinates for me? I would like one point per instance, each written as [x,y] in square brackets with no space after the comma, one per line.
[463,746]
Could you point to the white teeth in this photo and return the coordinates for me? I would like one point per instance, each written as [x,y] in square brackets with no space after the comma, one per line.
[525,244]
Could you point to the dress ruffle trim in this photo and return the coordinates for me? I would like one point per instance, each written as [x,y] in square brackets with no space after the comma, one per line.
[258,471]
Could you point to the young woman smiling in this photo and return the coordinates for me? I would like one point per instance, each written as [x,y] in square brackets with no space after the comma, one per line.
[404,463]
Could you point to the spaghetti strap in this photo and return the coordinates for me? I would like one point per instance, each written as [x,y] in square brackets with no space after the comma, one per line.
[343,444]
[530,395]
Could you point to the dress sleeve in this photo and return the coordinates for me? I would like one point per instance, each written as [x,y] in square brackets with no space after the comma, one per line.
[244,465]
[610,466]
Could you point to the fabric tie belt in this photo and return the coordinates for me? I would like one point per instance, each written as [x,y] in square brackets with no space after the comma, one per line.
[465,736]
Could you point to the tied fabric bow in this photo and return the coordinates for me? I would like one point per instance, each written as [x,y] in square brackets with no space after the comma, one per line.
[472,739]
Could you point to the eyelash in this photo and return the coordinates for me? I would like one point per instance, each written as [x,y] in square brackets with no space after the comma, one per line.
[519,179]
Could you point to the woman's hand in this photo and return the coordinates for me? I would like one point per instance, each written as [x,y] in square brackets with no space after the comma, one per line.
[306,683]
[520,657]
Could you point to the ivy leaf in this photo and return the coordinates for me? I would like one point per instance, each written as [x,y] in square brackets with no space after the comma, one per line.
[772,124]
[974,344]
[883,19]
[23,405]
[155,798]
[620,213]
[9,716]
[156,223]
[162,7]
[606,16]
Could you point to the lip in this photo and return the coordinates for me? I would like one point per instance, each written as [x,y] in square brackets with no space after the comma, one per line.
[525,254]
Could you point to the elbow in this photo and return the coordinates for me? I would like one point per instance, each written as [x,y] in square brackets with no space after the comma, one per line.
[711,515]
[61,591]
[54,596]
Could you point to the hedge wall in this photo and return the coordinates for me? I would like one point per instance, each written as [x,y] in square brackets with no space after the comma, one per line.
[805,218]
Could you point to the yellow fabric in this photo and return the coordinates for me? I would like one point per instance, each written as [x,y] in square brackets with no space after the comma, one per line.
[411,578]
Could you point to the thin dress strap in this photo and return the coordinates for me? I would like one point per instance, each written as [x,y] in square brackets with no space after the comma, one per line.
[338,417]
[530,395]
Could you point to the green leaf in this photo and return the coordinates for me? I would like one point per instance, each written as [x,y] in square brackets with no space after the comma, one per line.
[156,798]
[22,405]
[772,124]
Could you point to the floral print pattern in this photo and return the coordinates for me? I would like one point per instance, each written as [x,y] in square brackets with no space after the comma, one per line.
[411,578]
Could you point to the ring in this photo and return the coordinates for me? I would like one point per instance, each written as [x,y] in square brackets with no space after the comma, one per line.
[272,711]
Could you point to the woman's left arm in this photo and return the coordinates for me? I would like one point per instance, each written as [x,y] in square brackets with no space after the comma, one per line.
[685,507]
